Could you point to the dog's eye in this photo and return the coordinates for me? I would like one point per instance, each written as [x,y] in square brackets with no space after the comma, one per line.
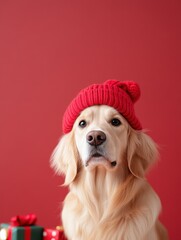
[115,122]
[82,123]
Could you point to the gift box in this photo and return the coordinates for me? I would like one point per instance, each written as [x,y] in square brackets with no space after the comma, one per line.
[54,234]
[4,231]
[25,233]
[22,228]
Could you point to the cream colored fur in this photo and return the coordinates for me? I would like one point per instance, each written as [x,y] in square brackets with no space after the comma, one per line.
[108,202]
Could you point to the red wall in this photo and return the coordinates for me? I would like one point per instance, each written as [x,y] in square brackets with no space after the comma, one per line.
[49,50]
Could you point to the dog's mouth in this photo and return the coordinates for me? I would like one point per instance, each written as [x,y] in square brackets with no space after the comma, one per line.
[97,155]
[98,159]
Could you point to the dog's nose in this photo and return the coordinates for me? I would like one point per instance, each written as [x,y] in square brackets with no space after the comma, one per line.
[96,138]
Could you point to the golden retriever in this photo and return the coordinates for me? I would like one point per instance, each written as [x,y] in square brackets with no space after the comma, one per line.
[104,161]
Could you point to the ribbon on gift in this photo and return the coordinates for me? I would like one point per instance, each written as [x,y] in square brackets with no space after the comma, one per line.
[26,220]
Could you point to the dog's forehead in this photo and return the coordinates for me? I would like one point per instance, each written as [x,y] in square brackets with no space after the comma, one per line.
[99,114]
[99,111]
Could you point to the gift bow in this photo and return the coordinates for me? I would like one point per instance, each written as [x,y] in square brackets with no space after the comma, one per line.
[27,220]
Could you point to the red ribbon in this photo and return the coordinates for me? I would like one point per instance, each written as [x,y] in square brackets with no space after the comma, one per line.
[27,220]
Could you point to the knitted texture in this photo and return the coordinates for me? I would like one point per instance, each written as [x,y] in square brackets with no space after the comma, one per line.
[114,93]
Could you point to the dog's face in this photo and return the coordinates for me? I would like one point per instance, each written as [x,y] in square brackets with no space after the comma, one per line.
[101,136]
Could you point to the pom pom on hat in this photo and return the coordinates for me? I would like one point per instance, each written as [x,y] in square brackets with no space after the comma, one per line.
[120,95]
[130,87]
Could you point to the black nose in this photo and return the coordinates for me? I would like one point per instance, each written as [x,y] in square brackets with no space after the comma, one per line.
[96,138]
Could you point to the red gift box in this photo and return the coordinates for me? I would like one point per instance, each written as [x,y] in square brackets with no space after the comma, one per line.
[54,234]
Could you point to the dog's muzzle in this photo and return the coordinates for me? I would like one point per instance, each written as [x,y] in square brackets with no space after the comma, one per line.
[95,139]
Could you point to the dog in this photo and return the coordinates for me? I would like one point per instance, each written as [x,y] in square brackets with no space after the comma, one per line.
[104,160]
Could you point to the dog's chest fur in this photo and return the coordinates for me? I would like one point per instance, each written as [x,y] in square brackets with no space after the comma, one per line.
[92,206]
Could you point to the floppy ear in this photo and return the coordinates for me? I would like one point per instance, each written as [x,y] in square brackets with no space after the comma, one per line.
[141,154]
[65,158]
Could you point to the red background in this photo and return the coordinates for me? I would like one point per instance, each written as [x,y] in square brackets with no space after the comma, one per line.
[49,50]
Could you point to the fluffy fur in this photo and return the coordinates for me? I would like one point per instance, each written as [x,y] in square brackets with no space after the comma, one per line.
[109,197]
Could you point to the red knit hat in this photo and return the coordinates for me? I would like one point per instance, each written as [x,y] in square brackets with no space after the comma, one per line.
[114,93]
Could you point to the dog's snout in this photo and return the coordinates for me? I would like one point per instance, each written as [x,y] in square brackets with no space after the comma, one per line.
[96,138]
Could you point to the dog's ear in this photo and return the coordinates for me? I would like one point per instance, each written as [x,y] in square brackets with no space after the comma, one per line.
[141,153]
[64,159]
